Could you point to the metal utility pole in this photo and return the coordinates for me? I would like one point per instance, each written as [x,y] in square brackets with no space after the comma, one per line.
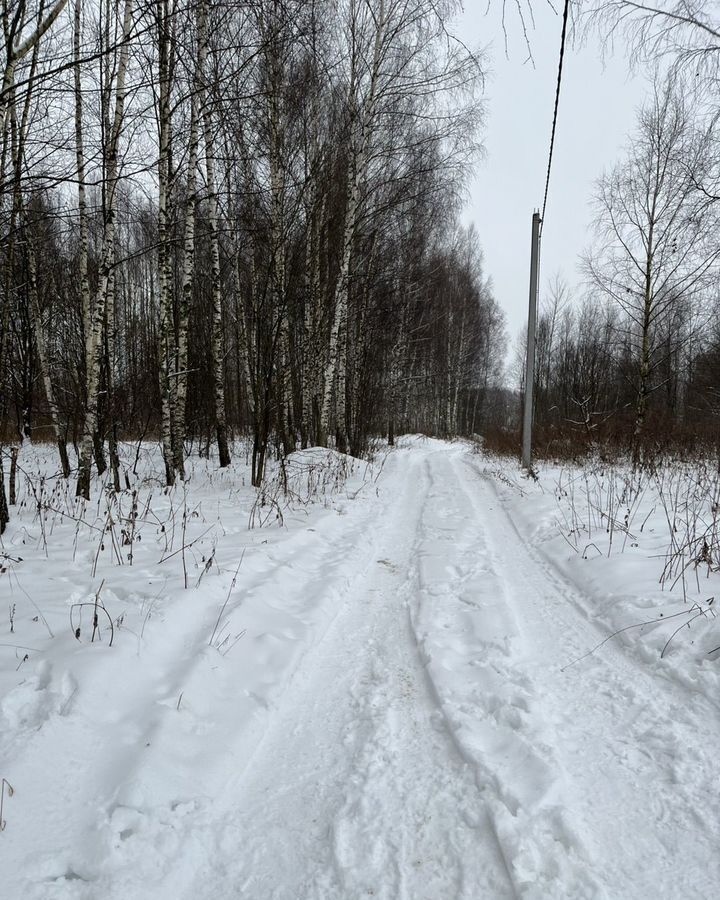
[530,360]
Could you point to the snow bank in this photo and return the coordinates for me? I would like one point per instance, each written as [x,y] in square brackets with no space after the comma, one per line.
[114,751]
[643,551]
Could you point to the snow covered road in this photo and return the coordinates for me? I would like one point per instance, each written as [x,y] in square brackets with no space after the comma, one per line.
[428,742]
[357,789]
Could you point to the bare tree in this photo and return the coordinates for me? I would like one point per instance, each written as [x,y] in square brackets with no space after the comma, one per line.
[105,282]
[655,250]
[686,31]
[246,222]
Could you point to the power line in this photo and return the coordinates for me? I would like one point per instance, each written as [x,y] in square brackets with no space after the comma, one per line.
[555,112]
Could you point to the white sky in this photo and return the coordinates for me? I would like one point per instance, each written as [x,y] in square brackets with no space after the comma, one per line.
[597,111]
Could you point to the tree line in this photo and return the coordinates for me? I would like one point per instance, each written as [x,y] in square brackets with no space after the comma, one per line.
[631,360]
[238,218]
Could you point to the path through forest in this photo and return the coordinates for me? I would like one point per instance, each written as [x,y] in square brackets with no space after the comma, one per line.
[431,744]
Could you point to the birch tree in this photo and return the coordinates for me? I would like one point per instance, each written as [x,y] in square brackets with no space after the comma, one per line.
[24,29]
[652,222]
[41,344]
[218,345]
[367,29]
[99,302]
[255,192]
[166,64]
[188,272]
[401,69]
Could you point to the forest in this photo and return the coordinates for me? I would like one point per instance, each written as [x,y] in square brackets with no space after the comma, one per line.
[628,356]
[633,363]
[244,219]
[284,615]
[238,218]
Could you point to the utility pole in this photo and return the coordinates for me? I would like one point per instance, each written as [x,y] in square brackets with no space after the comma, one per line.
[530,360]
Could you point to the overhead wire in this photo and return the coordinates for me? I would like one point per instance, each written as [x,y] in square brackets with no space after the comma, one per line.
[566,16]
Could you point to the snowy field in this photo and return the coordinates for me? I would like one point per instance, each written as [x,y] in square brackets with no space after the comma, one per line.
[398,681]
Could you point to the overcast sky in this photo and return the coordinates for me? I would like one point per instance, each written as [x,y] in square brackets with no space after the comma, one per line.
[597,110]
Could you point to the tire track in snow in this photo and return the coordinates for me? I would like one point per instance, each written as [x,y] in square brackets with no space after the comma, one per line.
[471,769]
[475,652]
[142,764]
[357,789]
[637,751]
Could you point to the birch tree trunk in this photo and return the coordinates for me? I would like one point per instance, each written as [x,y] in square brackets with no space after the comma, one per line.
[109,355]
[396,355]
[277,215]
[97,317]
[459,367]
[360,138]
[245,342]
[312,328]
[42,355]
[339,323]
[80,165]
[218,360]
[18,131]
[645,351]
[447,410]
[188,274]
[244,329]
[4,512]
[19,212]
[167,353]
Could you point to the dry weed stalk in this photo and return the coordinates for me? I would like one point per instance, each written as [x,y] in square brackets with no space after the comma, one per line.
[4,784]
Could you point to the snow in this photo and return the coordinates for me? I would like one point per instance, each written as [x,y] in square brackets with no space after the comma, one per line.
[382,688]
